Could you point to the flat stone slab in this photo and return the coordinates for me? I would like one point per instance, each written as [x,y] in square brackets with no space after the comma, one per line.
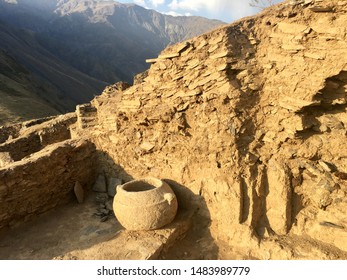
[74,231]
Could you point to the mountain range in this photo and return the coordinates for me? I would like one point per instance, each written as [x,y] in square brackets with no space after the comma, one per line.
[55,54]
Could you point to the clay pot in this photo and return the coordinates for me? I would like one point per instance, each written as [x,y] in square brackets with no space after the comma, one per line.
[145,204]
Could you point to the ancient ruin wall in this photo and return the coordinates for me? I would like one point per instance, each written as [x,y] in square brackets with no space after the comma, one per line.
[251,118]
[44,180]
[30,137]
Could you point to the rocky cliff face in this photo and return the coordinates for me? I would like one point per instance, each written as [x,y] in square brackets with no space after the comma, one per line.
[251,121]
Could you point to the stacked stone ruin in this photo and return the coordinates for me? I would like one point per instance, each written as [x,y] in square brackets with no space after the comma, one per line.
[250,119]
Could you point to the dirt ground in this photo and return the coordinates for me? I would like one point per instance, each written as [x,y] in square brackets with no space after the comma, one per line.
[73,231]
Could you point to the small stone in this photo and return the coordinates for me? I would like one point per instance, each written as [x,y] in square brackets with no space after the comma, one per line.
[182,107]
[146,146]
[104,219]
[325,200]
[313,56]
[152,60]
[109,205]
[341,175]
[101,197]
[138,135]
[329,224]
[251,158]
[102,206]
[181,47]
[79,192]
[320,9]
[329,185]
[112,184]
[100,184]
[220,54]
[168,56]
[5,159]
[98,214]
[100,210]
[105,212]
[325,166]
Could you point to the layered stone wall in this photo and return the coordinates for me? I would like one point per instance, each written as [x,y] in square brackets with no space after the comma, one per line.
[30,137]
[45,179]
[250,120]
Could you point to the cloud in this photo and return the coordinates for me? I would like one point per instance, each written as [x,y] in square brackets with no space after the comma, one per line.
[213,8]
[140,2]
[156,3]
[192,5]
[173,13]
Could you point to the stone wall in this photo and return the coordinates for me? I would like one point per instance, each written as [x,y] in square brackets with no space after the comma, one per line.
[45,179]
[32,136]
[248,120]
[9,131]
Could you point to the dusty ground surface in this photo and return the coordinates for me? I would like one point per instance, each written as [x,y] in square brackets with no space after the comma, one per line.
[74,232]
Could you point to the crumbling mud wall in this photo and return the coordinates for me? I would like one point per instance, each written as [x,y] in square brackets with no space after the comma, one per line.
[250,117]
[45,179]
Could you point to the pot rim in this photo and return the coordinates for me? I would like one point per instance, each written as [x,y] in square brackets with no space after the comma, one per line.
[155,183]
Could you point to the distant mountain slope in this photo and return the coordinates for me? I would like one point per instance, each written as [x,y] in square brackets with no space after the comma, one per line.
[20,93]
[39,77]
[77,47]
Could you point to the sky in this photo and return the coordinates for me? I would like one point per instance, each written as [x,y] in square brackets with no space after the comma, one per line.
[225,10]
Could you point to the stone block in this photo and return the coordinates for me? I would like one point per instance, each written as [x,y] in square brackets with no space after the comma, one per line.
[131,104]
[79,192]
[291,28]
[202,44]
[5,159]
[152,60]
[146,146]
[294,124]
[181,47]
[220,54]
[101,198]
[295,104]
[213,48]
[222,67]
[216,40]
[193,63]
[321,9]
[313,56]
[169,55]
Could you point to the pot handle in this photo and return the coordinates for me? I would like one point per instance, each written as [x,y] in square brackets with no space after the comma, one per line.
[169,197]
